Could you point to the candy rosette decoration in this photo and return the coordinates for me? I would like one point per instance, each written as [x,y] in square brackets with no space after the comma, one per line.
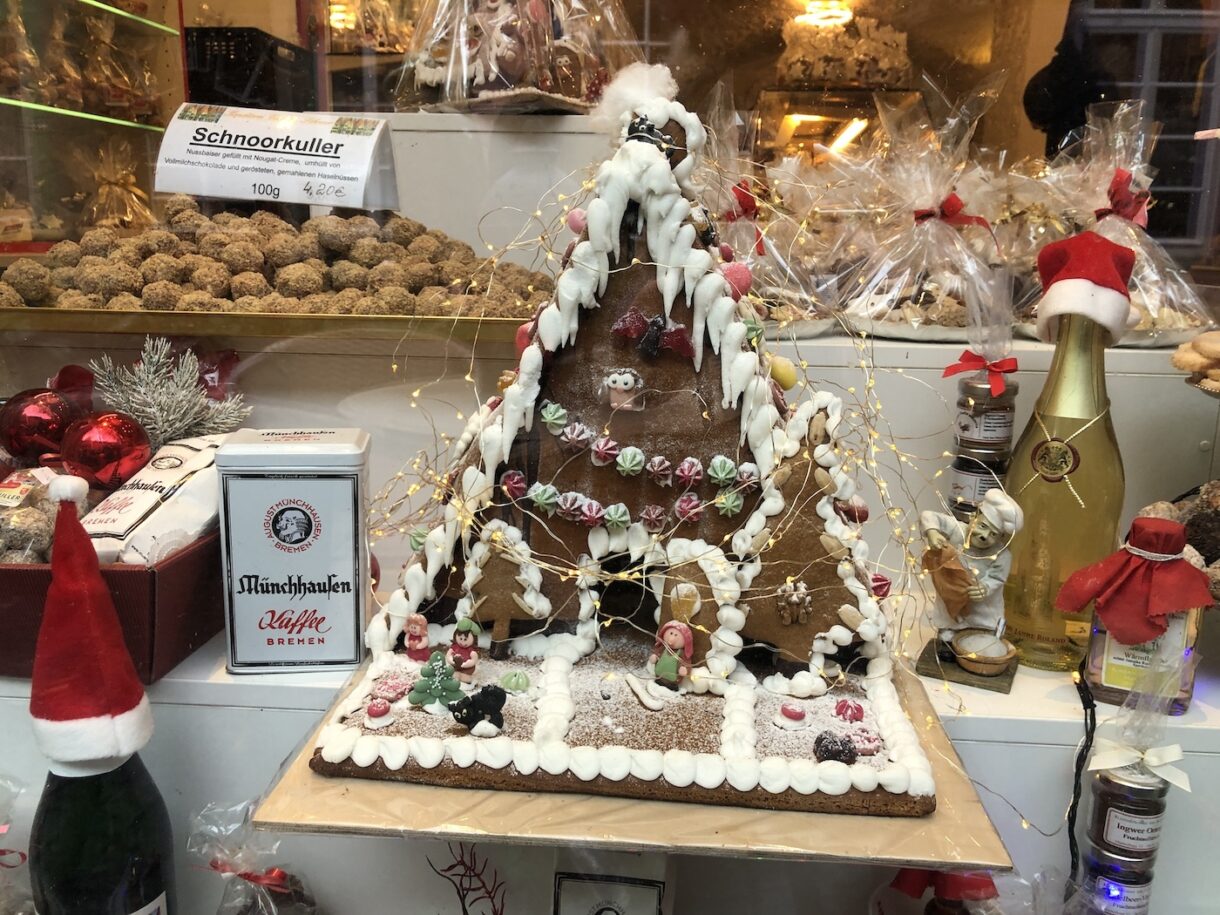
[1103,183]
[223,839]
[924,275]
[515,55]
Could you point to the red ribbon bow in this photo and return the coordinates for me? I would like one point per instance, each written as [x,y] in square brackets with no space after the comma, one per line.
[915,881]
[953,211]
[970,361]
[746,207]
[1135,593]
[273,878]
[1125,201]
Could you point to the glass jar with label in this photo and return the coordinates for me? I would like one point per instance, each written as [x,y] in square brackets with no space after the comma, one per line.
[1128,811]
[984,419]
[1118,884]
[1114,668]
[974,473]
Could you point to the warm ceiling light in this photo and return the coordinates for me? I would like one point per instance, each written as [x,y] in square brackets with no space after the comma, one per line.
[848,134]
[826,14]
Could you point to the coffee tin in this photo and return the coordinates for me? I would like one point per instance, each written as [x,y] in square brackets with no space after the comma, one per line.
[292,526]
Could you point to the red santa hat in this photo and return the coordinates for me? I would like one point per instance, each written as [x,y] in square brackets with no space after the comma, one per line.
[86,700]
[1086,275]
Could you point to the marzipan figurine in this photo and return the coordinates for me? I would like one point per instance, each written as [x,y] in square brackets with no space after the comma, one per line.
[463,654]
[671,655]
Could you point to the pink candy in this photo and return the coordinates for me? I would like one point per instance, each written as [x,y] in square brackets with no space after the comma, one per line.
[689,507]
[849,710]
[513,484]
[739,278]
[577,220]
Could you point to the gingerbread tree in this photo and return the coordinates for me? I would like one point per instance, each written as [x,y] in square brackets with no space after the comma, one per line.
[643,465]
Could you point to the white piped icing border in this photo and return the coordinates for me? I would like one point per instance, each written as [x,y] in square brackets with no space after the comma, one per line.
[737,764]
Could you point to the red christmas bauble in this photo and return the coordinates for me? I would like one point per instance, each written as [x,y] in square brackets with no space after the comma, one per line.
[105,449]
[33,423]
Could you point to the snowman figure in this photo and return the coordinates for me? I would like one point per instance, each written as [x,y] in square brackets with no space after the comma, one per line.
[624,388]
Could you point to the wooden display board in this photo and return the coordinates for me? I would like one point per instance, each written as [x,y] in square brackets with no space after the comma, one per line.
[958,834]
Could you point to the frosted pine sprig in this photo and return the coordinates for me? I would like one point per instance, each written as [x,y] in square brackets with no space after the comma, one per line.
[163,394]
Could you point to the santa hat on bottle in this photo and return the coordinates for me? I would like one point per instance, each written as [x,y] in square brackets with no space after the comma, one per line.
[85,698]
[1086,275]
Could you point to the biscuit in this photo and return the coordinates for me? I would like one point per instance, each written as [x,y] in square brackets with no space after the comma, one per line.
[1208,344]
[1188,359]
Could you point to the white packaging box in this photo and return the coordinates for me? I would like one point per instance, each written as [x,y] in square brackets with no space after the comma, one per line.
[293,538]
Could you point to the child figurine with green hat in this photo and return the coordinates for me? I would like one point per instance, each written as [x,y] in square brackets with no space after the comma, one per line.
[463,654]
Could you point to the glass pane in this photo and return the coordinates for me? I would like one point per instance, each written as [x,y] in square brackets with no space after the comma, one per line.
[1175,162]
[1185,57]
[1170,216]
[1117,58]
[1183,110]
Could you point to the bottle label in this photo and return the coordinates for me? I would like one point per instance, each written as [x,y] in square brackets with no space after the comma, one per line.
[1131,831]
[968,487]
[1122,665]
[1054,459]
[1115,898]
[993,426]
[159,906]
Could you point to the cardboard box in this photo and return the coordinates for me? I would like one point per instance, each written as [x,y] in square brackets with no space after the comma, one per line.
[166,610]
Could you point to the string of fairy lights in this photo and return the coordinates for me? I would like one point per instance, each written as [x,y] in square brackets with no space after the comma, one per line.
[412,501]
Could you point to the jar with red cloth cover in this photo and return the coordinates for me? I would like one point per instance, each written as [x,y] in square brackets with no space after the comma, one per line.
[1149,601]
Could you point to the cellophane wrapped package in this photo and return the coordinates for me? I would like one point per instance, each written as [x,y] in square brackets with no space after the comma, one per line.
[515,55]
[1030,220]
[925,275]
[223,839]
[832,205]
[14,874]
[753,226]
[21,73]
[1103,183]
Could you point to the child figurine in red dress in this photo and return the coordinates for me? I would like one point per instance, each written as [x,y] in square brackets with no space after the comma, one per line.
[417,638]
[463,654]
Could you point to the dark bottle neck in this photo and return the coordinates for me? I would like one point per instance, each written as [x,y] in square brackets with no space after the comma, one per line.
[96,768]
[1076,383]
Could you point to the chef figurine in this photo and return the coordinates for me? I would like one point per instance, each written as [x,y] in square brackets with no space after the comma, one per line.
[670,658]
[624,388]
[463,654]
[969,563]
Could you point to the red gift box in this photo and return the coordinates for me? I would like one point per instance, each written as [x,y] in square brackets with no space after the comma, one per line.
[166,610]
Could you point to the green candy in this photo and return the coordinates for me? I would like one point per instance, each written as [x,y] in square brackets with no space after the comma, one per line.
[617,517]
[754,330]
[515,681]
[630,461]
[554,417]
[729,502]
[418,536]
[722,471]
[545,498]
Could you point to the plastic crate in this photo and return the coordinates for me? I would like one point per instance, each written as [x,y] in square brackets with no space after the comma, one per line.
[249,68]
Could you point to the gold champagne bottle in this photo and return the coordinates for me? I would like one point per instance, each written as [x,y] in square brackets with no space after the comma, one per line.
[1067,475]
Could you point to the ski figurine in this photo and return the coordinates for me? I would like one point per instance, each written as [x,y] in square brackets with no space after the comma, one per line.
[671,655]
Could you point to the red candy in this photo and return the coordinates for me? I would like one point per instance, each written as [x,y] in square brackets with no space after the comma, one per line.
[577,220]
[792,711]
[378,708]
[849,710]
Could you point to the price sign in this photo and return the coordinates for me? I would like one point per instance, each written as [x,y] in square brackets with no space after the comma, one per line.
[326,160]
